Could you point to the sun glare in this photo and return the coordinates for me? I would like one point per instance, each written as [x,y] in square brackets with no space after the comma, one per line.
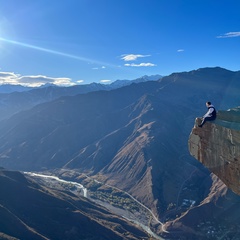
[26,45]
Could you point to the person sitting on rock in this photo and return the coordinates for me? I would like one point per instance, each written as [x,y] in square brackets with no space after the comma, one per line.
[210,115]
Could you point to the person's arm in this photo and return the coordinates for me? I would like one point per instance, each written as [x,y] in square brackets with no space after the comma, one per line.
[208,114]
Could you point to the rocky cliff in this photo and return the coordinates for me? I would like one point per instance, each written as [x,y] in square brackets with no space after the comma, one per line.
[217,146]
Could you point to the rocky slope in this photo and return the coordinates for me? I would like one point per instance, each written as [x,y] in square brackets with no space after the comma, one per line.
[30,211]
[215,217]
[217,146]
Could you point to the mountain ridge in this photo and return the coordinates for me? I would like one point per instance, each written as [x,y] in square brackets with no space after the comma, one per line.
[15,98]
[134,138]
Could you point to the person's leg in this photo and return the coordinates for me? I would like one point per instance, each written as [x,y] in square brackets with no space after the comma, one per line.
[206,119]
[203,121]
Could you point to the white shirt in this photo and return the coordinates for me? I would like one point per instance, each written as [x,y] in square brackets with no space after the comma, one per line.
[209,112]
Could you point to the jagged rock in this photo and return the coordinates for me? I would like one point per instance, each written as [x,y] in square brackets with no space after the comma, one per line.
[217,146]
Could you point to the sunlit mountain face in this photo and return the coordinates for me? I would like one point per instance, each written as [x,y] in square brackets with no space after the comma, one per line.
[131,140]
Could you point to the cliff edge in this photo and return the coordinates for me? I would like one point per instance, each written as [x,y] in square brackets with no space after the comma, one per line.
[217,146]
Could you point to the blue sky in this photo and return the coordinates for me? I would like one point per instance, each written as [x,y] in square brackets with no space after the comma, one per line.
[82,41]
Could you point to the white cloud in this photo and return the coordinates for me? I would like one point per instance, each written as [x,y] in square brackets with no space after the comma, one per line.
[180,50]
[8,78]
[32,81]
[39,80]
[79,81]
[229,35]
[132,57]
[105,81]
[140,65]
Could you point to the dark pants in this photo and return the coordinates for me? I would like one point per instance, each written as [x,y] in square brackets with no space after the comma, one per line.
[206,119]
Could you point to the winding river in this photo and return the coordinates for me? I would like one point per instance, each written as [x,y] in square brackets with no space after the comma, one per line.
[54,178]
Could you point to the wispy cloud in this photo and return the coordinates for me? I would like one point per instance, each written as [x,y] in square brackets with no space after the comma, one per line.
[140,65]
[105,81]
[133,57]
[33,81]
[41,80]
[8,78]
[79,81]
[229,35]
[180,50]
[97,68]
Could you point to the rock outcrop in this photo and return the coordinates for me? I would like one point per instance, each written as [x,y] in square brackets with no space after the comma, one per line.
[217,146]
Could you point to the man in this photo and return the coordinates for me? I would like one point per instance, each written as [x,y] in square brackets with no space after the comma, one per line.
[210,115]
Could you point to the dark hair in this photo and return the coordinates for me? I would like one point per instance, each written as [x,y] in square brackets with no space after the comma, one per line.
[209,103]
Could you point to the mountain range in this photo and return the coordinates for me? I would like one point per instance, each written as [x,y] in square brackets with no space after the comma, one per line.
[134,138]
[15,98]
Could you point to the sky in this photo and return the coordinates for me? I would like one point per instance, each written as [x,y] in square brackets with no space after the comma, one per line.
[68,42]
